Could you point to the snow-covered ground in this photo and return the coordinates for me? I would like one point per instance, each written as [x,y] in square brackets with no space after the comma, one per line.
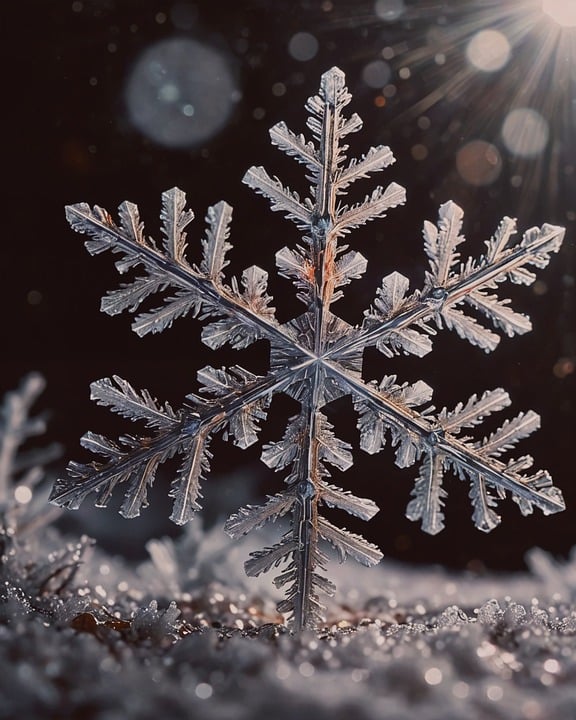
[186,635]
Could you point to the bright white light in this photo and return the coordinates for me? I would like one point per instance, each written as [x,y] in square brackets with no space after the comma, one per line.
[22,495]
[203,691]
[525,132]
[433,676]
[488,50]
[562,11]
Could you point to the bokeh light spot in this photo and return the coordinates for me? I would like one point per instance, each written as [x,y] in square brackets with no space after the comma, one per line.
[181,92]
[488,50]
[34,297]
[494,693]
[539,287]
[551,666]
[377,74]
[563,367]
[22,495]
[419,152]
[389,10]
[461,690]
[203,691]
[525,132]
[433,676]
[168,93]
[303,46]
[306,669]
[479,163]
[562,11]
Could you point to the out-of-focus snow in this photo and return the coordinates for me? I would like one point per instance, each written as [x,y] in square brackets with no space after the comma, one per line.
[158,640]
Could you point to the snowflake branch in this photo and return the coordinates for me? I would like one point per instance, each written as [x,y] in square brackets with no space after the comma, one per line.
[417,434]
[196,291]
[388,325]
[136,460]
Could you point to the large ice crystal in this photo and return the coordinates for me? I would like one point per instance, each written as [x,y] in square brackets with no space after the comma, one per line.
[315,358]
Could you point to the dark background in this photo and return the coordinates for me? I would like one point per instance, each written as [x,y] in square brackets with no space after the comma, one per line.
[68,137]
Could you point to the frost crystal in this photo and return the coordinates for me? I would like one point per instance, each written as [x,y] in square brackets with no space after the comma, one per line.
[22,468]
[314,358]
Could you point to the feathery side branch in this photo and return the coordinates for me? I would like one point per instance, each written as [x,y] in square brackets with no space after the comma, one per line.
[419,308]
[207,290]
[426,433]
[185,432]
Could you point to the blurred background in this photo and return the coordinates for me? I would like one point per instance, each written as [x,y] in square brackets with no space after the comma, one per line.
[112,100]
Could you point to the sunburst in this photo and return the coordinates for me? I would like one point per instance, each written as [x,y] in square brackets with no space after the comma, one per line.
[500,74]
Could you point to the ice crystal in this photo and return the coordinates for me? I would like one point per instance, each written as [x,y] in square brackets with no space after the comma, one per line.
[22,467]
[315,358]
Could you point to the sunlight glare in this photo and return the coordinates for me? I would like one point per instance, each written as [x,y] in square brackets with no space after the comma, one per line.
[525,132]
[562,11]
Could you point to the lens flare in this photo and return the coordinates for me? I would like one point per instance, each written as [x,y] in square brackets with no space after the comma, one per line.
[498,73]
[525,132]
[181,92]
[488,50]
[561,11]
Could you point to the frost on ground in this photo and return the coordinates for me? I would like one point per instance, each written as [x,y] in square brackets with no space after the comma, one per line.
[315,358]
[85,636]
[186,634]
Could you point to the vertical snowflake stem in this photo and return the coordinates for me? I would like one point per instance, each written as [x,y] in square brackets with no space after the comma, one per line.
[323,235]
[331,87]
[305,517]
[306,535]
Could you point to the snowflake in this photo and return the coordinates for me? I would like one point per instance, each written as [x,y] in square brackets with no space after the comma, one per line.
[315,358]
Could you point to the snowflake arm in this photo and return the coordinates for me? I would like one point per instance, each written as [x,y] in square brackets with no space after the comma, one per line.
[15,428]
[309,444]
[237,400]
[434,440]
[399,321]
[196,291]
